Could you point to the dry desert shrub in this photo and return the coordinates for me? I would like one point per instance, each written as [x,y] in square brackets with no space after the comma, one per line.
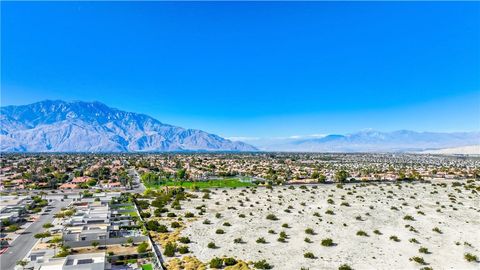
[186,263]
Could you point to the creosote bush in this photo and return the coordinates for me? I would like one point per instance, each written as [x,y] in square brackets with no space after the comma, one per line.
[309,255]
[183,250]
[261,240]
[418,260]
[184,240]
[423,250]
[345,267]
[169,249]
[413,240]
[470,257]
[394,238]
[327,242]
[162,228]
[238,240]
[329,212]
[362,233]
[262,265]
[229,261]
[216,263]
[272,217]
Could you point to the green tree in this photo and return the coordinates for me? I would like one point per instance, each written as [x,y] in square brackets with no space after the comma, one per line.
[13,228]
[5,222]
[47,225]
[152,225]
[142,248]
[91,182]
[42,235]
[56,240]
[181,174]
[22,263]
[150,178]
[341,176]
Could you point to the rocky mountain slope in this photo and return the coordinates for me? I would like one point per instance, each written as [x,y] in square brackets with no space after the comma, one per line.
[59,126]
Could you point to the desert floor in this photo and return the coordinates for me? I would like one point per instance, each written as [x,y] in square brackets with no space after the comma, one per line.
[381,207]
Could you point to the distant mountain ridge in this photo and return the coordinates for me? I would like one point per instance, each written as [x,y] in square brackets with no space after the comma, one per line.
[60,126]
[376,141]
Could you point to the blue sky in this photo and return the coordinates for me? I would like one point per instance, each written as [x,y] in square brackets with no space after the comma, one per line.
[252,69]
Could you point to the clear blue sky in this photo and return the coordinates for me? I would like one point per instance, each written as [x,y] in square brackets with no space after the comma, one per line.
[252,69]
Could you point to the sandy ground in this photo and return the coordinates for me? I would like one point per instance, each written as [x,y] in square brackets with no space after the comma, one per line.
[446,249]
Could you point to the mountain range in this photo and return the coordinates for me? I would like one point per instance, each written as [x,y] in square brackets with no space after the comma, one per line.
[376,141]
[60,126]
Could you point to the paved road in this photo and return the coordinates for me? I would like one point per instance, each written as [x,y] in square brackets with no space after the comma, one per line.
[20,247]
[23,243]
[136,180]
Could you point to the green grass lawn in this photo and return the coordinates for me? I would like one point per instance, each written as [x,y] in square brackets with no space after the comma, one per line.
[131,213]
[147,267]
[221,183]
[124,207]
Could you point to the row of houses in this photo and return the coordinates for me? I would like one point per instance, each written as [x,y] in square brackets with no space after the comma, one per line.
[77,183]
[45,260]
[97,233]
[12,208]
